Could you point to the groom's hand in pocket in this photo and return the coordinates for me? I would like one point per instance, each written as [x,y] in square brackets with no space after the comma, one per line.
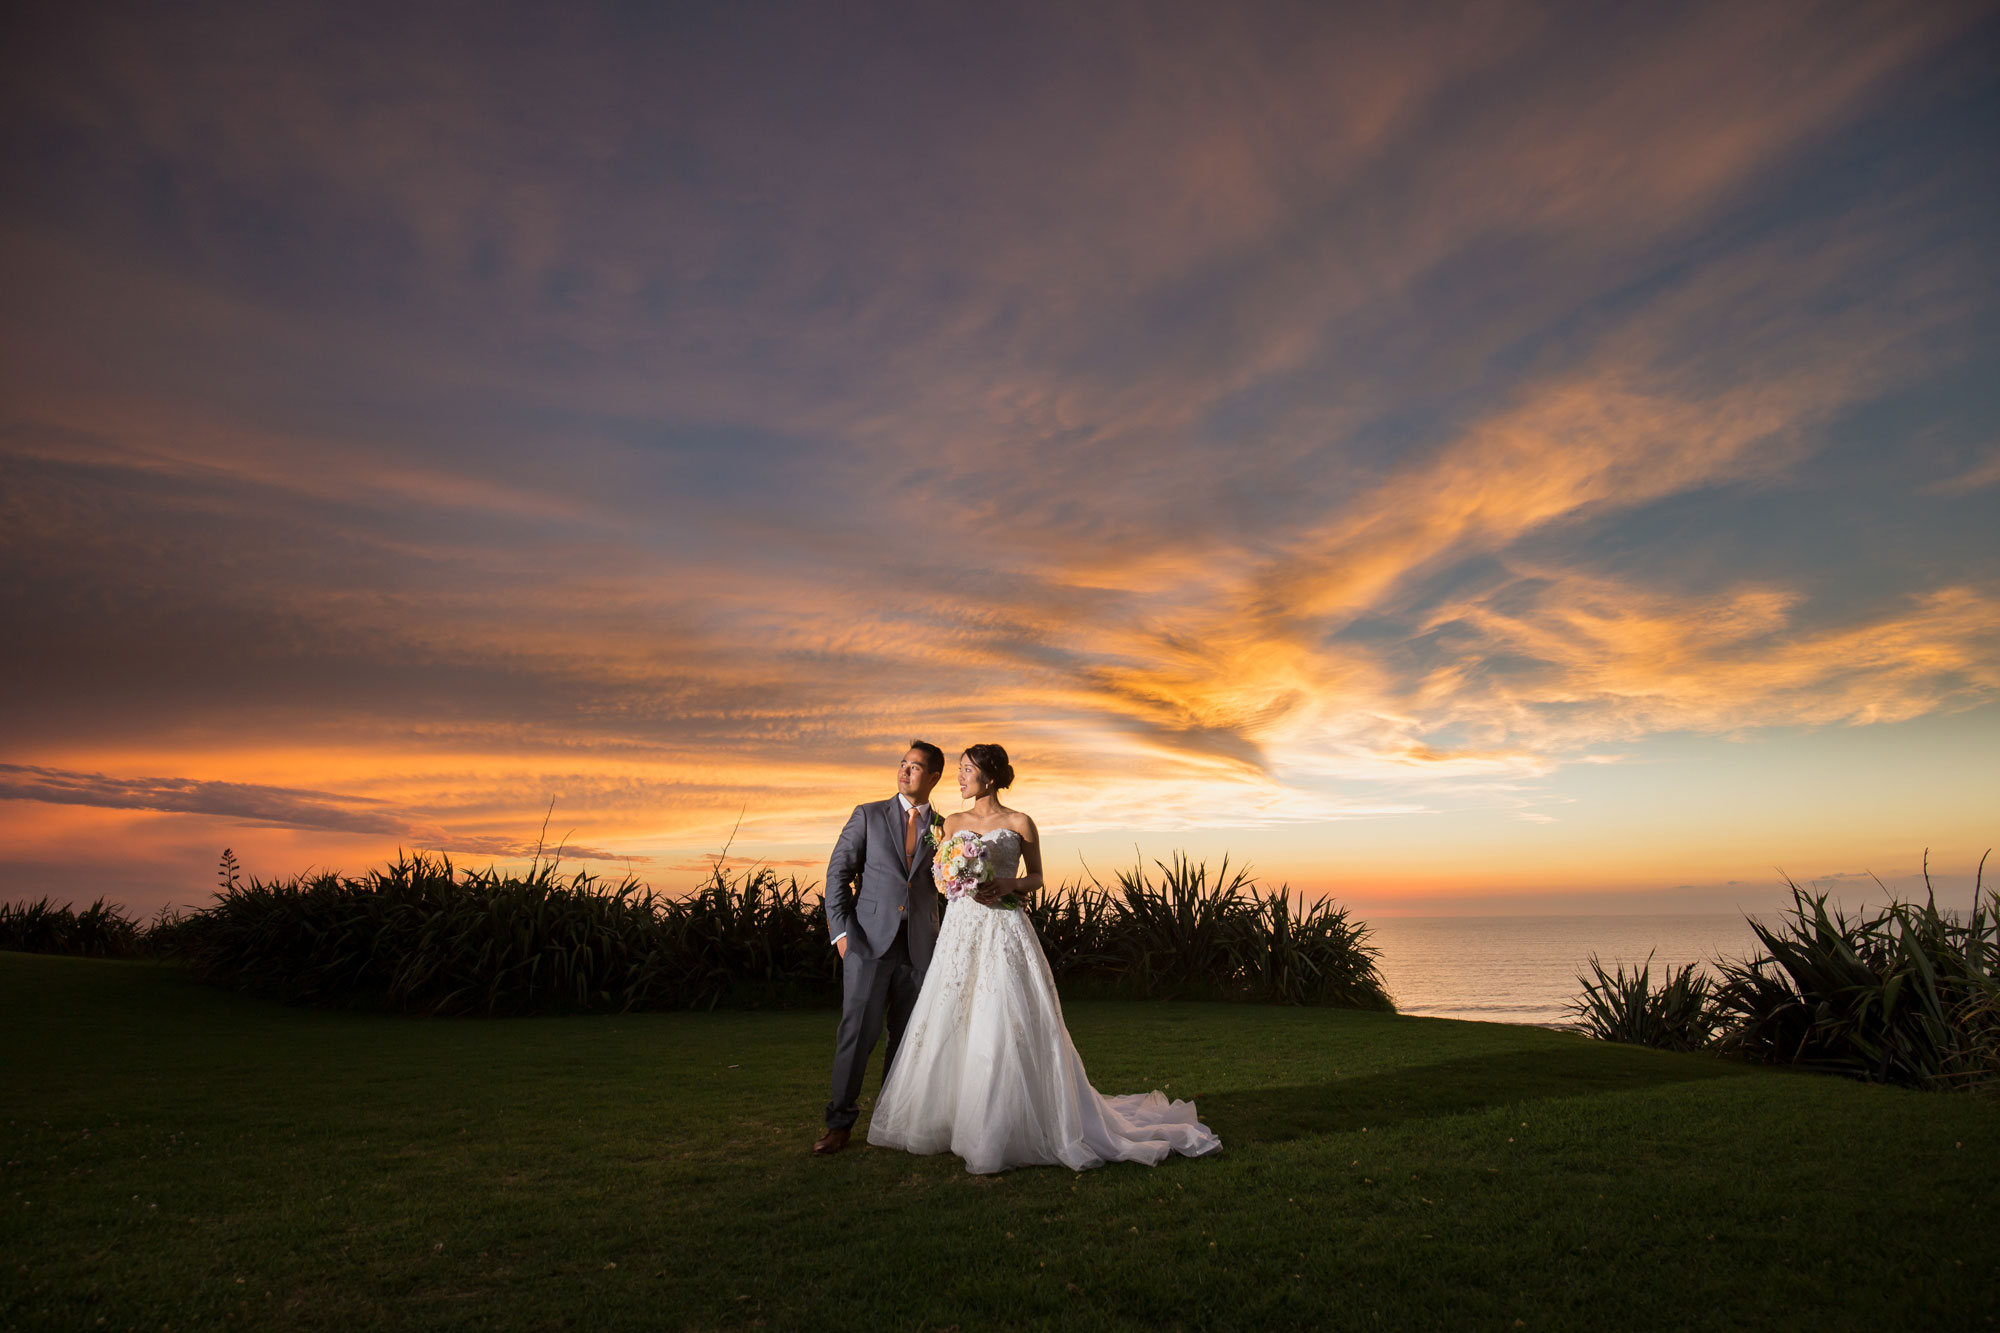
[841,944]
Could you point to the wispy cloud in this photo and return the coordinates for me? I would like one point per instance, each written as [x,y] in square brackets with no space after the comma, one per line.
[1267,417]
[264,806]
[1975,478]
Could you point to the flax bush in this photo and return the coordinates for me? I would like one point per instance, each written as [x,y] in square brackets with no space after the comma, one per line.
[1178,932]
[1678,1016]
[1904,994]
[424,936]
[98,931]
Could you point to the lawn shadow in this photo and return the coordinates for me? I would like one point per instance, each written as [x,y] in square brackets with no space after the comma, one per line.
[1426,1092]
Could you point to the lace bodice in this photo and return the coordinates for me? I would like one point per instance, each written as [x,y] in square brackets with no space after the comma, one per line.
[1006,846]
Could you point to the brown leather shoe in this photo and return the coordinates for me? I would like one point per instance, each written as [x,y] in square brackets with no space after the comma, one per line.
[831,1142]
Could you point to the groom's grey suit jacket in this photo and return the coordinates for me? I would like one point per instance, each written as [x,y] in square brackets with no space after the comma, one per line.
[871,889]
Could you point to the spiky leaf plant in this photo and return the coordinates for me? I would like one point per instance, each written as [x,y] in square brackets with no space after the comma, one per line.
[1904,994]
[1317,954]
[98,931]
[1680,1015]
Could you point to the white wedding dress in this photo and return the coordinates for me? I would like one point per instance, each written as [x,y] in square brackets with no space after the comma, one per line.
[986,1068]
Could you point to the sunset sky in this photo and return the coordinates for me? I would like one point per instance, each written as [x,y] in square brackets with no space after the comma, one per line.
[1462,458]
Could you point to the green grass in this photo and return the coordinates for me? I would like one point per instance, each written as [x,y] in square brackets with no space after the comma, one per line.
[180,1156]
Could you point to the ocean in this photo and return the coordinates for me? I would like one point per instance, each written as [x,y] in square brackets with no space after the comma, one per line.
[1523,969]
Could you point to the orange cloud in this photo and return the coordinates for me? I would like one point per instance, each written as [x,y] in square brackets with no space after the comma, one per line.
[1218,418]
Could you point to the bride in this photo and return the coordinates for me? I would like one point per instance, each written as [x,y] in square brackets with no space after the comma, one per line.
[986,1068]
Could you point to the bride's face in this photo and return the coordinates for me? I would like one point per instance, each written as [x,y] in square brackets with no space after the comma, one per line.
[972,784]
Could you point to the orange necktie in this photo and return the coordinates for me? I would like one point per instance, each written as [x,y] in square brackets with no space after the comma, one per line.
[910,836]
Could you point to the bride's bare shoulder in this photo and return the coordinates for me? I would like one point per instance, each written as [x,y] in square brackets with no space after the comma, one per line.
[1021,824]
[953,823]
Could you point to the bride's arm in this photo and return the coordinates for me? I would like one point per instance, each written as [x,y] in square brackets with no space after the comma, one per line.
[1031,857]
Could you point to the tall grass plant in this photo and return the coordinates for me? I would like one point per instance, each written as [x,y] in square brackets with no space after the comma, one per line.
[1906,994]
[1176,931]
[422,935]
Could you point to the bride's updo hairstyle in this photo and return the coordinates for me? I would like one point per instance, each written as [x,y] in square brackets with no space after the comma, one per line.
[992,761]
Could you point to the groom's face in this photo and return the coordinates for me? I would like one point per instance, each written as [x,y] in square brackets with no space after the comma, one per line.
[915,777]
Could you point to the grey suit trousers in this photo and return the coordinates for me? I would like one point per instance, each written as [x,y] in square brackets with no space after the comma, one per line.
[884,901]
[872,989]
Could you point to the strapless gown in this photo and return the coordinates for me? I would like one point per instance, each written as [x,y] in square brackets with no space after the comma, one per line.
[987,1070]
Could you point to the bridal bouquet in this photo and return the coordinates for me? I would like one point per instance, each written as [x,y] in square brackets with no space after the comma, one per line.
[963,863]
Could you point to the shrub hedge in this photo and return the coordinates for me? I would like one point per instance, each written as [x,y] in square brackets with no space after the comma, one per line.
[422,935]
[1905,994]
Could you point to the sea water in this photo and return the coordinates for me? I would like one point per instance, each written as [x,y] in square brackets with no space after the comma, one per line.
[1523,969]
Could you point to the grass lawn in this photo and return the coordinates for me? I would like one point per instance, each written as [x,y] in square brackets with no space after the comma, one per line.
[181,1157]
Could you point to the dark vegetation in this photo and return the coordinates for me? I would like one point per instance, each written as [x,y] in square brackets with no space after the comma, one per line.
[422,935]
[1186,935]
[1677,1016]
[98,931]
[1905,994]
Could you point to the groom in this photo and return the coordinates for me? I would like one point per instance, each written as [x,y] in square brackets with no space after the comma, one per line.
[881,909]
